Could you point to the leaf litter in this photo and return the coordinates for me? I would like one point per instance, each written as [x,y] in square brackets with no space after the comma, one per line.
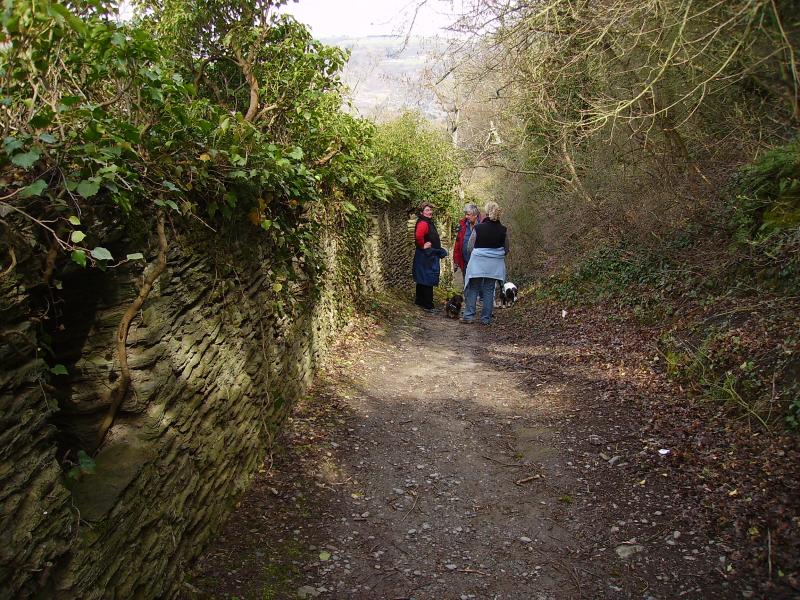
[525,460]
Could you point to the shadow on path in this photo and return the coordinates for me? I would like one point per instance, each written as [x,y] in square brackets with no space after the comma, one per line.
[436,460]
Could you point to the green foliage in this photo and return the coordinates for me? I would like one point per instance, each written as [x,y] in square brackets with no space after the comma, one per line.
[421,159]
[613,273]
[214,110]
[728,365]
[769,200]
[712,366]
[85,466]
[59,369]
[766,216]
[793,418]
[101,115]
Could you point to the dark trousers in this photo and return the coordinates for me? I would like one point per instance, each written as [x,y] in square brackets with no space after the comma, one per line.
[424,296]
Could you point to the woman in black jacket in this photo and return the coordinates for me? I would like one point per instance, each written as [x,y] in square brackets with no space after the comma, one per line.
[487,265]
[427,255]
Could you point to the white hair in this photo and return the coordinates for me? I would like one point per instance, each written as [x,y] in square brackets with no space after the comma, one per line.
[493,211]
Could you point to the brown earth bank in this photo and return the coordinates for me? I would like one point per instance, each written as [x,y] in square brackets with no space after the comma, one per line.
[543,457]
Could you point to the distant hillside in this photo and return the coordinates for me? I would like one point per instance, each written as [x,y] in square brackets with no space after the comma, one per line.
[386,76]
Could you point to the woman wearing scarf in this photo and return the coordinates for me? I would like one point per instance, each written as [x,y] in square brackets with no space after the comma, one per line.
[427,255]
[486,266]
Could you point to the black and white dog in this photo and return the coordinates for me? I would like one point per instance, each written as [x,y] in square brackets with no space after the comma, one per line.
[508,295]
[452,307]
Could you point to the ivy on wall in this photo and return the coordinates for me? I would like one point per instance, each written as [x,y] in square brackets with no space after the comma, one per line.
[219,114]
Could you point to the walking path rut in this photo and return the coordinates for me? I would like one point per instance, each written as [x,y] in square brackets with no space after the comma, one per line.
[428,462]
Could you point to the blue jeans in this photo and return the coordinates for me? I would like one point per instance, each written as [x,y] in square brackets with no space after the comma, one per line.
[482,287]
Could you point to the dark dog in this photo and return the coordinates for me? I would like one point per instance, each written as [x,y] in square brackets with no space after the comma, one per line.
[508,295]
[452,307]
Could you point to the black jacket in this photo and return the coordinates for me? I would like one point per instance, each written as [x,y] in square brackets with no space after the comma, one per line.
[491,234]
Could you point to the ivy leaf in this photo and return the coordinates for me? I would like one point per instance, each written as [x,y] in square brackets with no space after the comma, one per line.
[88,188]
[26,159]
[11,143]
[34,189]
[39,121]
[70,100]
[86,463]
[135,256]
[74,220]
[59,369]
[77,237]
[277,287]
[101,253]
[296,153]
[56,10]
[79,257]
[47,138]
[170,203]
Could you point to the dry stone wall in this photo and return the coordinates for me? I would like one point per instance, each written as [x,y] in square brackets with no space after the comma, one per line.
[215,369]
[395,248]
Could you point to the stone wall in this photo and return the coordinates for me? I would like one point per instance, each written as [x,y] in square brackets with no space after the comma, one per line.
[395,249]
[215,369]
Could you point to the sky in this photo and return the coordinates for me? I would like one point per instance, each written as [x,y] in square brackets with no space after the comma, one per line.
[358,18]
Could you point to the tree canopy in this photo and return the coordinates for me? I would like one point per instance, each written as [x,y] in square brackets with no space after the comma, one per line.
[204,109]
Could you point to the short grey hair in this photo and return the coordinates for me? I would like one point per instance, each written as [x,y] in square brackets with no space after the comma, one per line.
[471,209]
[493,211]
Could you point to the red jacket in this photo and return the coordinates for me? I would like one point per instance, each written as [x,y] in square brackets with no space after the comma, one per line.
[458,256]
[420,232]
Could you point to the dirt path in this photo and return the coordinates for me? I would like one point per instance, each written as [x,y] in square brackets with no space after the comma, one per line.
[437,460]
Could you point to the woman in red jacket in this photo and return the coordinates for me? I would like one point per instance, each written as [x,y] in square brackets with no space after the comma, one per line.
[427,255]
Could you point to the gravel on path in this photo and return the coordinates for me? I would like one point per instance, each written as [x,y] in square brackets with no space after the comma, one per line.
[432,460]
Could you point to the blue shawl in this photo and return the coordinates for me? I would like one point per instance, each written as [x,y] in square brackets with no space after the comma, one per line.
[486,262]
